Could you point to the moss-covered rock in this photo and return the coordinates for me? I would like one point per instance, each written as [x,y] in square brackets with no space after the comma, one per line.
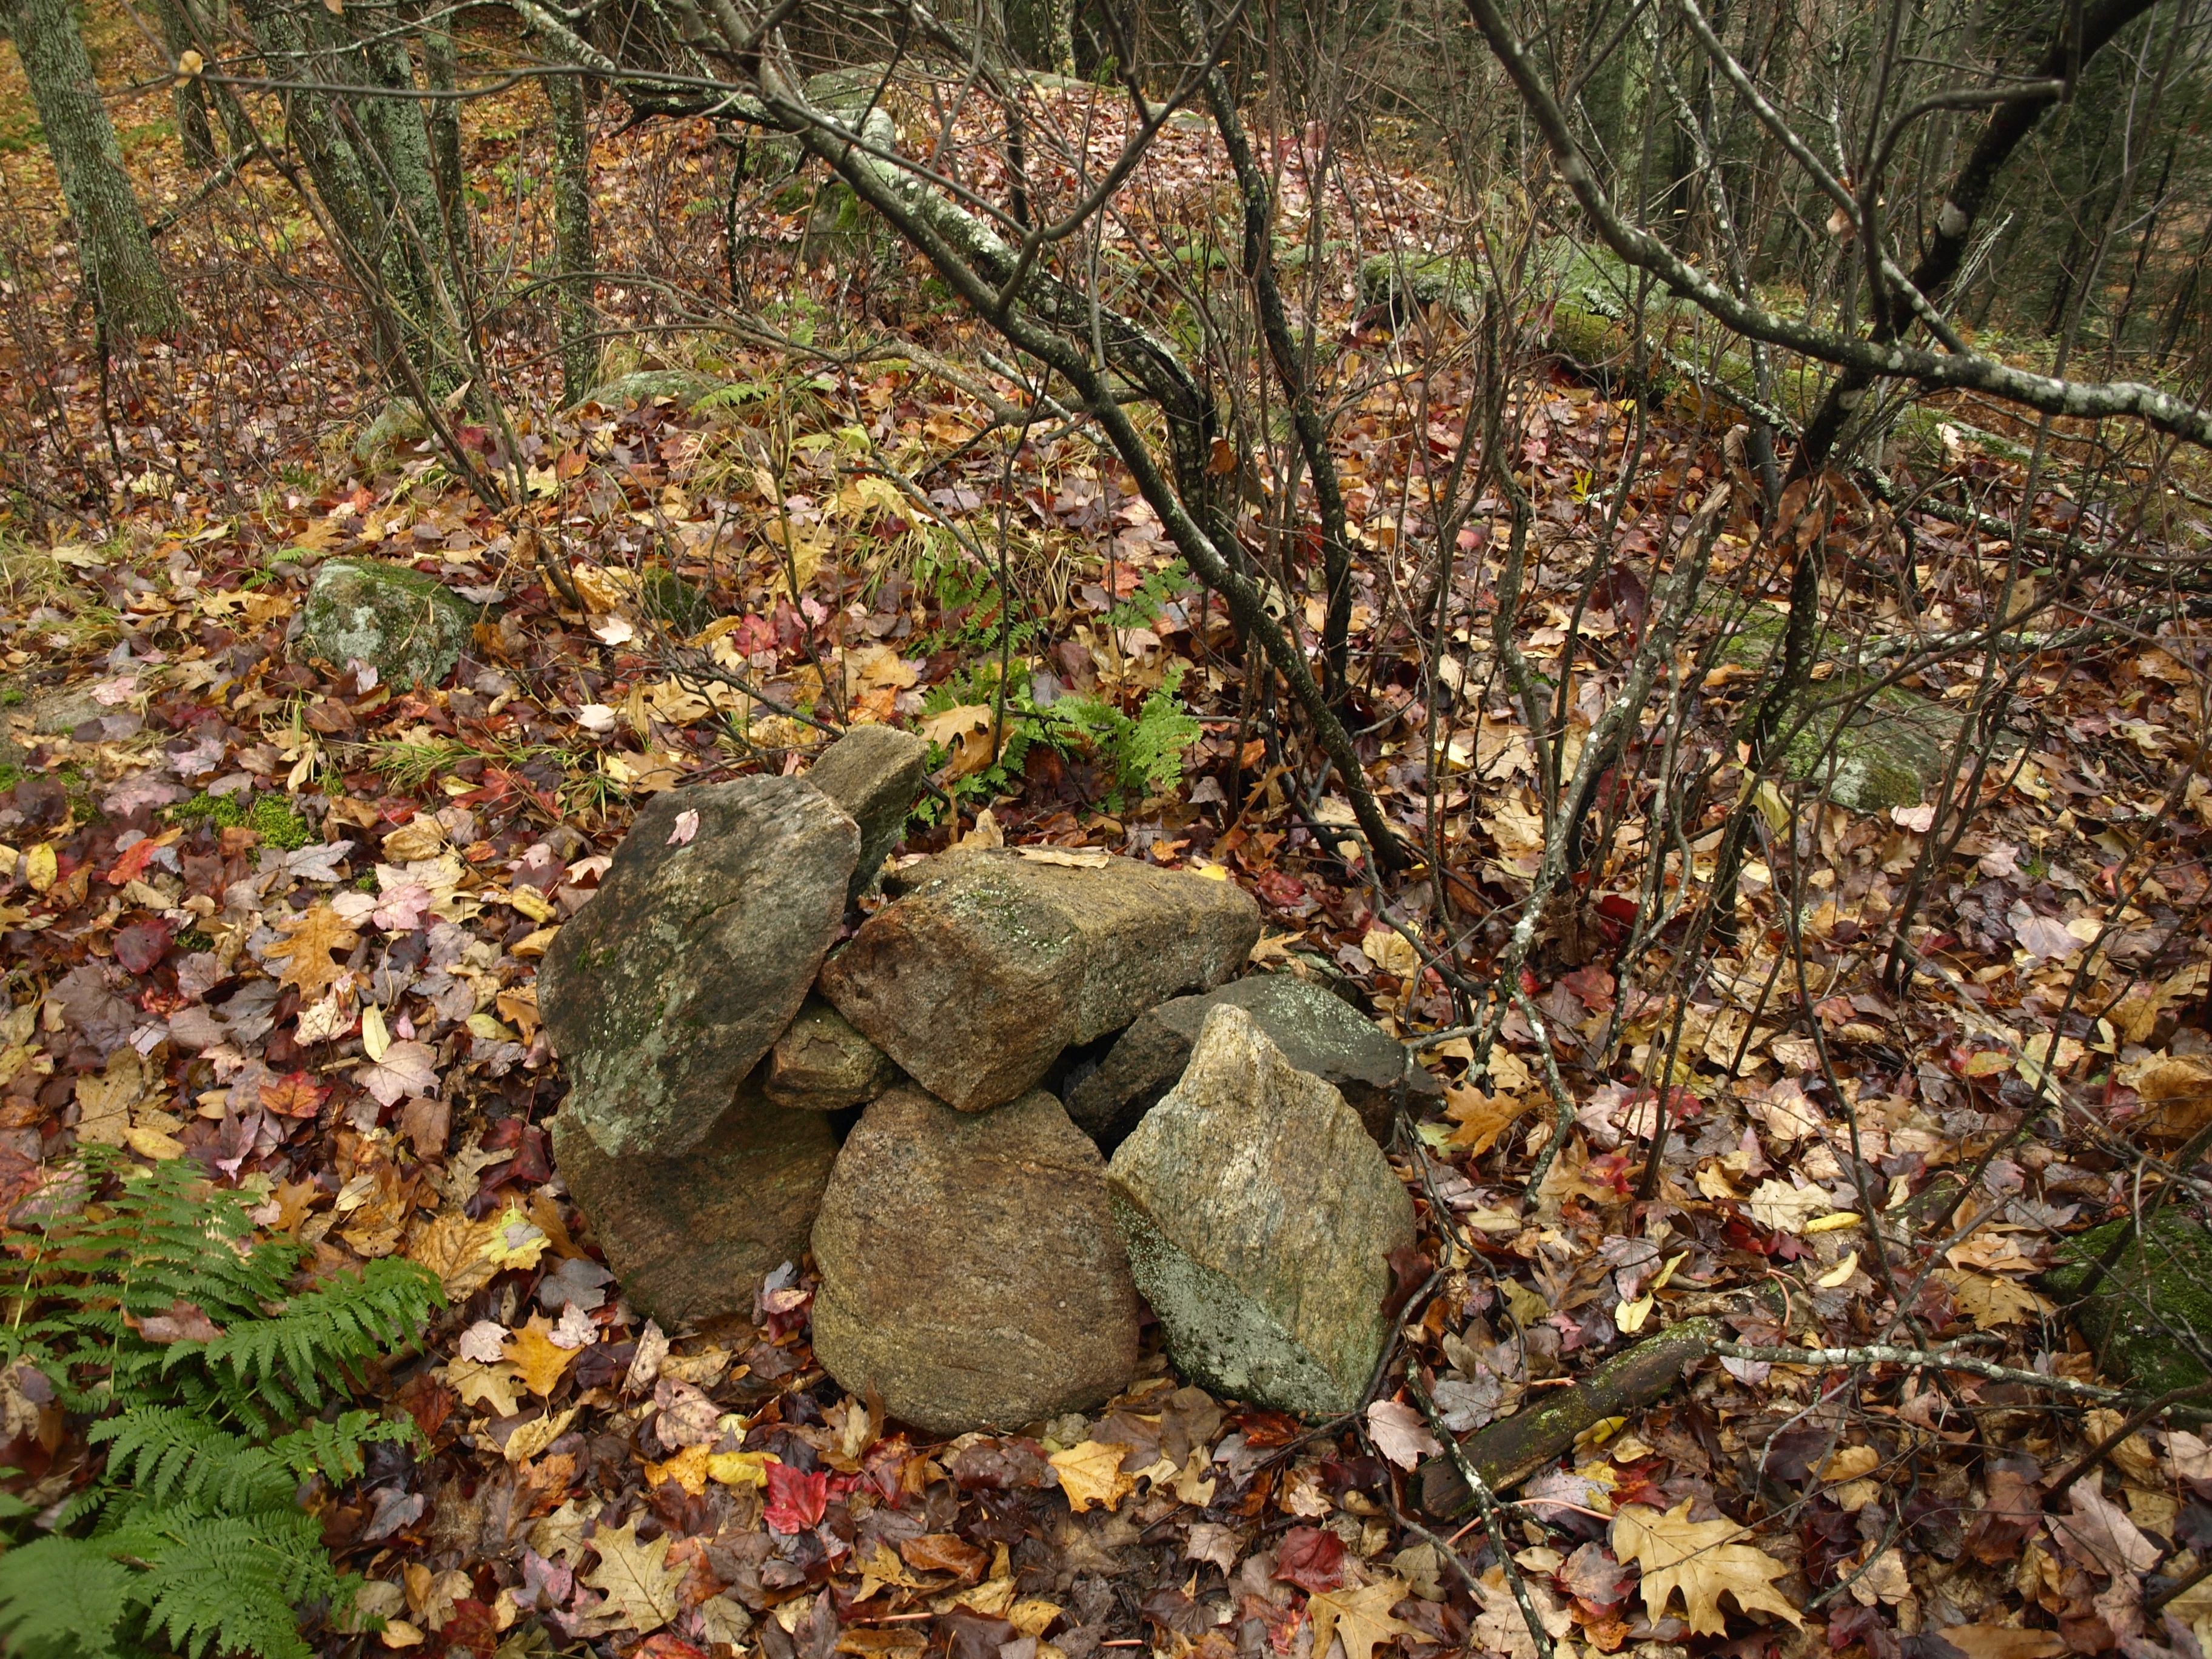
[1395,283]
[2141,1320]
[682,386]
[679,605]
[1890,751]
[400,424]
[410,626]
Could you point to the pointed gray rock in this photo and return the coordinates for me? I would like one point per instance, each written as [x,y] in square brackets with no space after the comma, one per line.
[690,1237]
[874,772]
[991,962]
[664,992]
[1260,1219]
[1317,1031]
[971,1274]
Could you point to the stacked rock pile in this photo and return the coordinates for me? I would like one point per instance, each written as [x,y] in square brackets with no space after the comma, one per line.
[931,1106]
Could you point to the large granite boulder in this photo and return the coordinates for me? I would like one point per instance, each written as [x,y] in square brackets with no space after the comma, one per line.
[1259,1217]
[971,1272]
[992,962]
[1317,1032]
[690,1237]
[664,992]
[410,626]
[821,1063]
[874,772]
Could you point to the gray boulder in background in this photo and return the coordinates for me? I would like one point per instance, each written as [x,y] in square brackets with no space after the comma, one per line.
[874,773]
[411,627]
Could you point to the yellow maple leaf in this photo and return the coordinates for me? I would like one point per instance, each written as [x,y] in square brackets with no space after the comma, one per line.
[740,1468]
[453,1246]
[1481,1118]
[1091,1473]
[884,1569]
[515,1241]
[1360,1618]
[535,1357]
[1703,1559]
[482,1384]
[312,938]
[104,1101]
[965,730]
[688,1469]
[1991,1299]
[641,1589]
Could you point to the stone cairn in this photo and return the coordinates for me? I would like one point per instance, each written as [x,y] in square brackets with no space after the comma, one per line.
[932,1108]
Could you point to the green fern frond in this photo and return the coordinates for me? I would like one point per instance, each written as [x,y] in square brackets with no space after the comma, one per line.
[62,1598]
[196,1543]
[229,1583]
[330,1331]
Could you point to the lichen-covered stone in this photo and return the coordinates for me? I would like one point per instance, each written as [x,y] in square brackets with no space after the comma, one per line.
[1396,283]
[1259,1218]
[992,963]
[971,1272]
[821,1063]
[399,424]
[1891,751]
[680,386]
[411,627]
[2136,1318]
[690,1237]
[1317,1032]
[662,993]
[874,772]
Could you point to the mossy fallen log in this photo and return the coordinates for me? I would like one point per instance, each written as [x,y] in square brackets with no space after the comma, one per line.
[1511,1449]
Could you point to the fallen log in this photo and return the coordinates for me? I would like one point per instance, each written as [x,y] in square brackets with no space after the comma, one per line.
[1511,1449]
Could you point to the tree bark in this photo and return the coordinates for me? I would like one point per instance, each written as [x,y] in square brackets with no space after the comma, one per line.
[129,291]
[1042,33]
[571,235]
[188,97]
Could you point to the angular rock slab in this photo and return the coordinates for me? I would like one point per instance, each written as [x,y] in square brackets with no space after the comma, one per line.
[1259,1218]
[411,627]
[1317,1032]
[992,963]
[874,772]
[664,992]
[821,1063]
[971,1272]
[690,1237]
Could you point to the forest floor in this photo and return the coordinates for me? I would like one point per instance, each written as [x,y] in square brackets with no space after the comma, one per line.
[378,1080]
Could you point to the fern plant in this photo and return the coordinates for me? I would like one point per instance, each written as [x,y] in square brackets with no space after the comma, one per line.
[214,1386]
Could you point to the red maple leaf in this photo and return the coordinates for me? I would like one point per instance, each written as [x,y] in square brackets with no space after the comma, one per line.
[295,1094]
[795,1501]
[1311,1559]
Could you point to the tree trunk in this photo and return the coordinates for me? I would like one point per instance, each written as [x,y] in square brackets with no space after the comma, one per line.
[188,98]
[129,292]
[370,158]
[1042,33]
[441,71]
[571,235]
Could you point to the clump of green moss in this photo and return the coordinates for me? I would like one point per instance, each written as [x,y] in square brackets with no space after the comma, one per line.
[271,817]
